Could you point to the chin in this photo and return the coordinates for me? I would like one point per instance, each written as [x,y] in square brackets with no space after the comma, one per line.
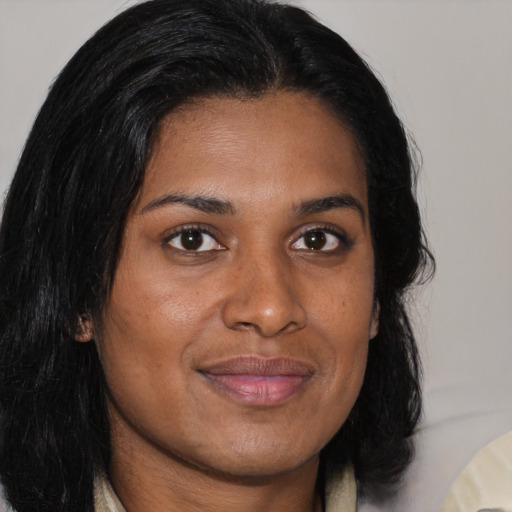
[261,469]
[257,457]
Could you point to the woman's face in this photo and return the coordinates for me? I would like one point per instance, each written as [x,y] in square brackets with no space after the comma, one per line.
[235,338]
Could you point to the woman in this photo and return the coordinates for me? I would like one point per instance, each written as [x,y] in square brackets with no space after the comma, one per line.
[204,254]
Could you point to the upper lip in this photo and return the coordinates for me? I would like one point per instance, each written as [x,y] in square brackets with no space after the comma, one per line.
[260,366]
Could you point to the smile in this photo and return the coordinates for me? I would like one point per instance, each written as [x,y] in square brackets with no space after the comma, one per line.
[258,381]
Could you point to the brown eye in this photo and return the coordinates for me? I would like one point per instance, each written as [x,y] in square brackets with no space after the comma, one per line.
[321,240]
[191,239]
[315,240]
[194,240]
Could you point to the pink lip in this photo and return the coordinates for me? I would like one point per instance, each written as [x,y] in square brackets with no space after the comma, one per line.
[258,381]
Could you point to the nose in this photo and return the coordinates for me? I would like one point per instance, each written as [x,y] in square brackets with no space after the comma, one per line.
[263,298]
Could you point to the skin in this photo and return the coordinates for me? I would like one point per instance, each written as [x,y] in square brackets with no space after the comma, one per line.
[253,289]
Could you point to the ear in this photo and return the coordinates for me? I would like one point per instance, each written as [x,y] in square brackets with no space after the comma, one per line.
[374,324]
[85,329]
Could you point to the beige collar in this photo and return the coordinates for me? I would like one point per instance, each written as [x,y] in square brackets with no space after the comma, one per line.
[340,493]
[105,499]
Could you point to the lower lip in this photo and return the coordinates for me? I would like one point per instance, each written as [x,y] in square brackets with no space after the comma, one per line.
[258,389]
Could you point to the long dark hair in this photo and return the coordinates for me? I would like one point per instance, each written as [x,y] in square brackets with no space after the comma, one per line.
[82,167]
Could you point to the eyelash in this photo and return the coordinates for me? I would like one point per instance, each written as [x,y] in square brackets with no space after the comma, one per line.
[202,230]
[341,236]
[343,241]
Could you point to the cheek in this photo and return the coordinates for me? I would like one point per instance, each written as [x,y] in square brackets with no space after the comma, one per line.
[156,304]
[343,308]
[343,317]
[346,370]
[151,325]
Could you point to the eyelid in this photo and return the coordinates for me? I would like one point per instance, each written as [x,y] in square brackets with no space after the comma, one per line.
[344,241]
[201,228]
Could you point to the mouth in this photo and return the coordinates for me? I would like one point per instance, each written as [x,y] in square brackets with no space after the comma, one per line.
[256,380]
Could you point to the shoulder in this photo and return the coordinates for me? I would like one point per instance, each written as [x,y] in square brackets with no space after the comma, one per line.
[485,481]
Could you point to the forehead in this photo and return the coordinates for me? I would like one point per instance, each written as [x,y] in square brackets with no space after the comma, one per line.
[283,142]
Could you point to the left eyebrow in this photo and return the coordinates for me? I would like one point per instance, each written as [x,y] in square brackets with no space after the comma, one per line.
[324,204]
[202,203]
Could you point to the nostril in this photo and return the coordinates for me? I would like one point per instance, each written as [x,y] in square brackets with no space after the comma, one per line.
[264,303]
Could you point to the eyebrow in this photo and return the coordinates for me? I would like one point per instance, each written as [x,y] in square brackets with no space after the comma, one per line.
[324,204]
[220,207]
[202,203]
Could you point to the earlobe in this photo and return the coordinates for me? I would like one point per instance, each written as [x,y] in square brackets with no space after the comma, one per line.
[374,324]
[85,330]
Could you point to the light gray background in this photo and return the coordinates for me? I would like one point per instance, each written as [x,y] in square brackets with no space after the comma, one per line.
[448,67]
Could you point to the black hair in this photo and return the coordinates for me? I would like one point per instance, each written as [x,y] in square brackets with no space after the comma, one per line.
[82,167]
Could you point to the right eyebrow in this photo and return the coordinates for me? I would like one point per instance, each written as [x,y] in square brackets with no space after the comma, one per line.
[202,203]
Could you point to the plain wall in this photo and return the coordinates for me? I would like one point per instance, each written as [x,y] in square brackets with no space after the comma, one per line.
[448,67]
